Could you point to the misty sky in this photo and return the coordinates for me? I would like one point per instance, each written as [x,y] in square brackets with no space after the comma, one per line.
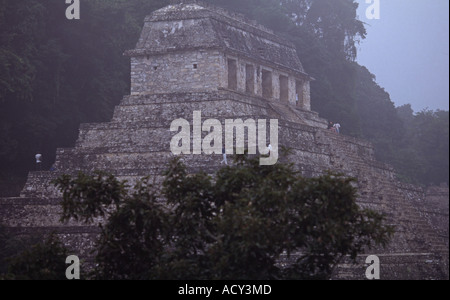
[408,51]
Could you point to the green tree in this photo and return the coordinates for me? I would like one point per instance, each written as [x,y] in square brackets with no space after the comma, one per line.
[424,150]
[43,261]
[11,245]
[379,121]
[234,226]
[432,137]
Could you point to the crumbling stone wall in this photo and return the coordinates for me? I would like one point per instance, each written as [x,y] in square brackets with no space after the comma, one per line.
[178,72]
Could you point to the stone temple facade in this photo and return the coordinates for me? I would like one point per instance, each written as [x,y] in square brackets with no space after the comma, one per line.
[219,51]
[193,57]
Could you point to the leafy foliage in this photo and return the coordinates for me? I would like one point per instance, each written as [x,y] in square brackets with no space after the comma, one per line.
[43,261]
[12,245]
[235,226]
[425,146]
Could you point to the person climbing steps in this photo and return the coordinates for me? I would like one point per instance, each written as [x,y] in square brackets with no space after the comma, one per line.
[38,162]
[224,160]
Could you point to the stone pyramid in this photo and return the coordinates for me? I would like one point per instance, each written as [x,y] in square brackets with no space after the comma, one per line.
[194,57]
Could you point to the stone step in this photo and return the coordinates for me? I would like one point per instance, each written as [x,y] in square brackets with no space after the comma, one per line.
[165,113]
[131,135]
[407,266]
[148,161]
[283,111]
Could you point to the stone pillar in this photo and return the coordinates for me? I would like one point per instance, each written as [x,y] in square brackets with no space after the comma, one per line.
[276,86]
[250,78]
[258,77]
[135,81]
[241,75]
[306,95]
[292,91]
[283,81]
[223,74]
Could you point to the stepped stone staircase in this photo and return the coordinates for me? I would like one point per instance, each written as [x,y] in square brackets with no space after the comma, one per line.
[136,143]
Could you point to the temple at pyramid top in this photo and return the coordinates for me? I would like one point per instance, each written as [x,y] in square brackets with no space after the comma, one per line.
[194,47]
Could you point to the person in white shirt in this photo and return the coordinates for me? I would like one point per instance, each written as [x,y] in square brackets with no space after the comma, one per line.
[224,160]
[337,126]
[38,162]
